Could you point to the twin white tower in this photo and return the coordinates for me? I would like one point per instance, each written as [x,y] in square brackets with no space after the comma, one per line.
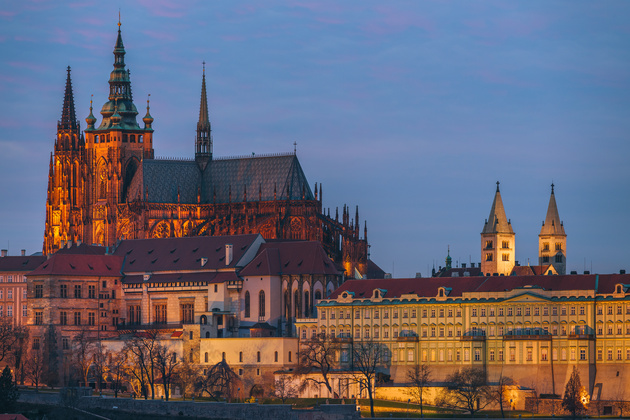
[498,240]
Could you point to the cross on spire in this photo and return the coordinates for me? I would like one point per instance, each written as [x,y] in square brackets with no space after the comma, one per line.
[294,147]
[498,186]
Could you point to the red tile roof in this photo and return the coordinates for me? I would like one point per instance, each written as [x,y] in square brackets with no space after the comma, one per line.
[530,270]
[15,263]
[428,287]
[83,249]
[290,257]
[177,254]
[80,265]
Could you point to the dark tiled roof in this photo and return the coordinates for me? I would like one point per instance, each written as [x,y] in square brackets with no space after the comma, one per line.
[80,265]
[171,278]
[257,175]
[19,263]
[374,271]
[428,287]
[180,254]
[530,270]
[82,249]
[290,257]
[460,272]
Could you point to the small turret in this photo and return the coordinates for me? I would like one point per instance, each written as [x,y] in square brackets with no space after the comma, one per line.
[148,119]
[91,119]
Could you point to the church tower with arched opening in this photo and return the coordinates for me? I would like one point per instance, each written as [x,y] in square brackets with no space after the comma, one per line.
[552,241]
[497,241]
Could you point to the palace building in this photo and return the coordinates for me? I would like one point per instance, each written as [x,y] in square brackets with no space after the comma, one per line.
[105,185]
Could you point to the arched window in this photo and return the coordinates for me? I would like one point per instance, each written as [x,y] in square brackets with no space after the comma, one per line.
[306,306]
[296,304]
[287,304]
[203,320]
[207,334]
[275,356]
[318,295]
[247,306]
[205,357]
[258,356]
[240,356]
[261,303]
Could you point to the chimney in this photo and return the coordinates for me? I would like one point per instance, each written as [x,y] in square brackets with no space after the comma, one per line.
[23,252]
[203,261]
[228,254]
[587,272]
[463,265]
[622,271]
[4,253]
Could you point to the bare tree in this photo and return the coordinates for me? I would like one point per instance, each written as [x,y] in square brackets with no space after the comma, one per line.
[187,375]
[619,401]
[367,357]
[138,366]
[419,376]
[285,388]
[100,356]
[467,390]
[10,335]
[220,382]
[17,353]
[317,355]
[166,363]
[83,347]
[500,393]
[116,369]
[34,367]
[574,392]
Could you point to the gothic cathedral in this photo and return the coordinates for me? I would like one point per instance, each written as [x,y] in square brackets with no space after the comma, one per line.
[105,185]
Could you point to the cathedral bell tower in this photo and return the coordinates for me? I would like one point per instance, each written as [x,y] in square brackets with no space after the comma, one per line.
[497,241]
[552,241]
[115,150]
[66,179]
[203,141]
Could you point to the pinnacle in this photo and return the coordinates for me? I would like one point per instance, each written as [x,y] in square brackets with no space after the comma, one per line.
[68,114]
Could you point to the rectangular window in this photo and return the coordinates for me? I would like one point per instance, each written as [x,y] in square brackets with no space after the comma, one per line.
[36,343]
[77,318]
[432,331]
[554,310]
[450,312]
[377,314]
[527,311]
[518,311]
[466,355]
[9,310]
[512,354]
[63,291]
[159,314]
[24,311]
[410,355]
[357,314]
[477,355]
[491,311]
[367,314]
[324,315]
[39,291]
[395,313]
[458,313]
[386,314]
[500,311]
[432,313]
[509,311]
[63,318]
[77,291]
[39,317]
[92,292]
[188,313]
[543,354]
[618,354]
[582,310]
[424,313]
[65,345]
[618,309]
[441,312]
[91,318]
[609,353]
[492,355]
[405,313]
[413,313]
[474,311]
[10,294]
[500,355]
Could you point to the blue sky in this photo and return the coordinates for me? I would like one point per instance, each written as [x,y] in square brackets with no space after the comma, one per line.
[410,109]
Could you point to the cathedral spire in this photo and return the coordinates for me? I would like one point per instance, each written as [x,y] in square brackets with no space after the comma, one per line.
[203,142]
[68,115]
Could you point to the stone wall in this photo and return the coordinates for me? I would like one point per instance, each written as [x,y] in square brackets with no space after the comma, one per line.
[209,410]
[594,408]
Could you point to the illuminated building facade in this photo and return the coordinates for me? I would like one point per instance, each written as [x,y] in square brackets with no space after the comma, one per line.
[531,328]
[13,294]
[104,185]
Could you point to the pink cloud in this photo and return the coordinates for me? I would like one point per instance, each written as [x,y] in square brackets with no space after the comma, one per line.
[163,36]
[29,66]
[7,14]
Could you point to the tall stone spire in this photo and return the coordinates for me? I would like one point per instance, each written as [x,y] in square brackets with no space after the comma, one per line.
[497,240]
[552,224]
[552,240]
[203,141]
[68,115]
[497,221]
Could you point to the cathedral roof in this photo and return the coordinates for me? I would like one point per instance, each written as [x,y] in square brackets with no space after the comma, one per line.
[497,221]
[552,224]
[290,257]
[222,181]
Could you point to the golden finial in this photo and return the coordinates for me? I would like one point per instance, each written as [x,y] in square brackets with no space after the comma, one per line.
[148,97]
[119,18]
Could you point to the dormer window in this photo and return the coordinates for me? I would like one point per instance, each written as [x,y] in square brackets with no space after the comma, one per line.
[488,244]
